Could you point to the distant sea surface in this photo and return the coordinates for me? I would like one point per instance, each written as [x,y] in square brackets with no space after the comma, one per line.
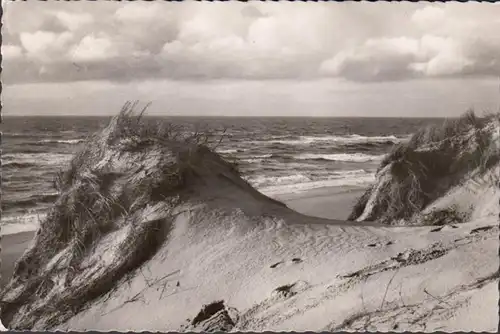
[276,155]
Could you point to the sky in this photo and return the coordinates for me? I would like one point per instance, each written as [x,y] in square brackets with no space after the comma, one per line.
[251,59]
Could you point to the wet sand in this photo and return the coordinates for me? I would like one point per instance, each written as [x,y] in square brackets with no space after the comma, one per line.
[13,246]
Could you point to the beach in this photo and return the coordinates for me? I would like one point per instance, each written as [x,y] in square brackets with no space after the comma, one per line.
[178,230]
[327,202]
[13,246]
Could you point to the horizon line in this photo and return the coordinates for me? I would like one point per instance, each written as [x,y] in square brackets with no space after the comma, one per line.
[226,116]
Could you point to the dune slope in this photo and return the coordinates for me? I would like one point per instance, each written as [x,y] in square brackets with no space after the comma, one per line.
[154,232]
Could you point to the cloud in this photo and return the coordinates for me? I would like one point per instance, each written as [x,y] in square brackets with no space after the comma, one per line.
[135,12]
[92,48]
[11,51]
[73,21]
[429,16]
[45,46]
[252,12]
[441,57]
[403,58]
[377,59]
[355,41]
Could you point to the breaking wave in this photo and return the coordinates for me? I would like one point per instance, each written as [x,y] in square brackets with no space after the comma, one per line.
[350,139]
[353,157]
[280,184]
[68,141]
[20,160]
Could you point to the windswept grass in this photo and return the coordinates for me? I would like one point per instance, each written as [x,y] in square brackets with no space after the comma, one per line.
[127,179]
[435,159]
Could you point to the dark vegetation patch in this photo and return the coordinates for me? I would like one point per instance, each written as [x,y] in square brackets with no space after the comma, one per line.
[208,311]
[481,229]
[415,257]
[123,170]
[214,317]
[286,290]
[433,161]
[272,266]
[409,257]
[444,217]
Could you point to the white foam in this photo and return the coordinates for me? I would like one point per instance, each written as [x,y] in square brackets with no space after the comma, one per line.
[69,141]
[351,139]
[255,158]
[361,179]
[52,159]
[266,180]
[23,223]
[227,151]
[354,157]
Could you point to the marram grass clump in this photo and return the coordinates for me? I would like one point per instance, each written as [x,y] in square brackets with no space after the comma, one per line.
[116,203]
[434,160]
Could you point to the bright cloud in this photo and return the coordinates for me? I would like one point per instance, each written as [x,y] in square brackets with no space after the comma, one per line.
[92,48]
[11,51]
[353,41]
[46,46]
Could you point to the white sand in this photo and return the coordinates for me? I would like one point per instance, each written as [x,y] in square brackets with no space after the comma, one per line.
[450,285]
[327,202]
[230,261]
[409,278]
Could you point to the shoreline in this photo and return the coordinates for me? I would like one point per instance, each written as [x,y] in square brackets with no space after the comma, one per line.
[13,247]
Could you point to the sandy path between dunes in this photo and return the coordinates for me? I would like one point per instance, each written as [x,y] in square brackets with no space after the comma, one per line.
[341,277]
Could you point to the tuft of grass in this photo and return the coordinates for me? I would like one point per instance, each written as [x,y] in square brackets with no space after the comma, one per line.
[446,216]
[435,159]
[285,290]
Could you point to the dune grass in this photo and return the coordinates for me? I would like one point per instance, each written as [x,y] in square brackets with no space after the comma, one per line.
[435,159]
[131,175]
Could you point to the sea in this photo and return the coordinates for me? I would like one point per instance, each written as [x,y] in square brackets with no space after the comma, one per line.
[275,155]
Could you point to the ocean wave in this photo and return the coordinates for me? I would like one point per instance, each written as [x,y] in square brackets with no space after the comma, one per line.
[31,135]
[17,165]
[361,180]
[347,140]
[46,142]
[341,177]
[30,202]
[345,157]
[227,151]
[256,158]
[68,141]
[38,159]
[264,180]
[21,223]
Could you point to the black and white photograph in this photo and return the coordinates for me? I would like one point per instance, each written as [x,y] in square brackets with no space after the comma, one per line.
[250,166]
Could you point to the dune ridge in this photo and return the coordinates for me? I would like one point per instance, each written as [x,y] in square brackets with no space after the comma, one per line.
[151,226]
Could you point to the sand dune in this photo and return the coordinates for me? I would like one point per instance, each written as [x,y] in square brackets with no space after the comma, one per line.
[179,241]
